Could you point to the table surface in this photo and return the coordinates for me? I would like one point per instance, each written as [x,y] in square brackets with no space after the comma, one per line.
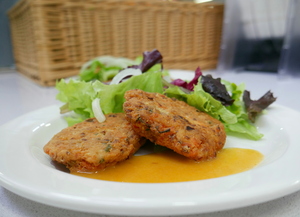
[19,95]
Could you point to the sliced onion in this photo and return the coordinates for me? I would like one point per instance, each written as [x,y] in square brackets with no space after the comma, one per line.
[123,74]
[97,110]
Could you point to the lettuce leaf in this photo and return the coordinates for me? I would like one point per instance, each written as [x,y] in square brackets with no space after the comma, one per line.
[78,95]
[204,102]
[104,68]
[233,117]
[113,102]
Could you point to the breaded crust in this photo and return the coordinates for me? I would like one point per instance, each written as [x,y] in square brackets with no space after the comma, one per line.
[174,124]
[89,146]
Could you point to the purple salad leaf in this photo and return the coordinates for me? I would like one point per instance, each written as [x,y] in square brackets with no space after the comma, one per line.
[255,107]
[150,58]
[216,89]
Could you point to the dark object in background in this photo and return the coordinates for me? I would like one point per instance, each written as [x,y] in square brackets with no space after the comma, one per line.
[290,54]
[261,36]
[265,55]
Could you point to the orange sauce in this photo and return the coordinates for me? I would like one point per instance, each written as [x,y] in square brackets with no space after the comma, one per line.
[168,166]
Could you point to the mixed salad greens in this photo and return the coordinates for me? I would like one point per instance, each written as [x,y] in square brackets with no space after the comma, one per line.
[228,102]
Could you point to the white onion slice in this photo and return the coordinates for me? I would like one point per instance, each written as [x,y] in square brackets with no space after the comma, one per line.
[123,74]
[97,110]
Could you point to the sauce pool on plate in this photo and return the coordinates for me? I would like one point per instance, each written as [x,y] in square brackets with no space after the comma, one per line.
[168,166]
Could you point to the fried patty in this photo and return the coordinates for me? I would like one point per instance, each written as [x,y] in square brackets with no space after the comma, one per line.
[90,145]
[174,124]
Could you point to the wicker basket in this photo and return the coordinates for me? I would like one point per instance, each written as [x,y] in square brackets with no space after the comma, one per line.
[53,38]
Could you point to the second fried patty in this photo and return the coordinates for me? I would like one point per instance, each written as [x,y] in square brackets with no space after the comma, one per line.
[89,146]
[174,124]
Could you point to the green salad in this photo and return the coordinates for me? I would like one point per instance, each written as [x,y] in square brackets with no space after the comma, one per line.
[226,101]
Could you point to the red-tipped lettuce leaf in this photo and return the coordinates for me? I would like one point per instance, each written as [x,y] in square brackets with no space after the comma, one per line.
[191,84]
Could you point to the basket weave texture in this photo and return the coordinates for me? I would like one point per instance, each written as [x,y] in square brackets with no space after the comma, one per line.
[53,38]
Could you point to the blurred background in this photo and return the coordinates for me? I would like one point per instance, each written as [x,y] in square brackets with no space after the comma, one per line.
[6,54]
[227,35]
[261,35]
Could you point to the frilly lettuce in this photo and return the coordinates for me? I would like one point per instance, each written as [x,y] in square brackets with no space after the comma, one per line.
[78,95]
[233,117]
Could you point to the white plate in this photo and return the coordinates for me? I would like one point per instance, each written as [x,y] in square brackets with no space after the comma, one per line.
[27,171]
